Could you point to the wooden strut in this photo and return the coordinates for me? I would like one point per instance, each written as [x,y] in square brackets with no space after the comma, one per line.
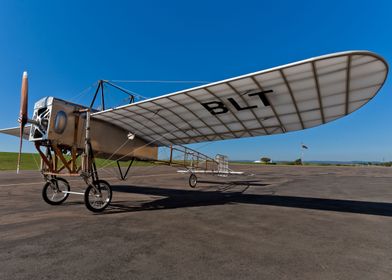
[171,154]
[51,160]
[60,155]
[44,159]
[55,161]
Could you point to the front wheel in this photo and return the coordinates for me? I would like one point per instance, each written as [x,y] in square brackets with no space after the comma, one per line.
[98,196]
[55,191]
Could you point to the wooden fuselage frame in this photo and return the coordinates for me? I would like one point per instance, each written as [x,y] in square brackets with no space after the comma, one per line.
[65,144]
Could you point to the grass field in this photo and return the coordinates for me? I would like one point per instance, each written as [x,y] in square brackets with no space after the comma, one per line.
[8,161]
[31,161]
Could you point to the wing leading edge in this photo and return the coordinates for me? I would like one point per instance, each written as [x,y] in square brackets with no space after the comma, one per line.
[287,98]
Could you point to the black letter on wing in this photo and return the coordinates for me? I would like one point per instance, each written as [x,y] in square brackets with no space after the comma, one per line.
[262,96]
[215,107]
[238,107]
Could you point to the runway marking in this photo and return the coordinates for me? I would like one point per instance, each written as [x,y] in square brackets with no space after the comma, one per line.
[19,184]
[107,178]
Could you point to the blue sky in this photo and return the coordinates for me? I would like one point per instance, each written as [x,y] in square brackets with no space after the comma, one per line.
[66,46]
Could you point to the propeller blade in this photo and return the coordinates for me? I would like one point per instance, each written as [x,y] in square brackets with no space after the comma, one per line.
[20,151]
[22,115]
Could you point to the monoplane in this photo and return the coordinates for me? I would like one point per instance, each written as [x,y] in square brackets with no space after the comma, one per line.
[301,95]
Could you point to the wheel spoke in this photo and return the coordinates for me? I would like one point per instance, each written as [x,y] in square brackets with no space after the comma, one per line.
[55,191]
[97,201]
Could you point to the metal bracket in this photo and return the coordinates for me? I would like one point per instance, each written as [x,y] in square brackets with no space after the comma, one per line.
[101,84]
[124,176]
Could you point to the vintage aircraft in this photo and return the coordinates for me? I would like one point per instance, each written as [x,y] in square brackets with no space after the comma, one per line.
[287,98]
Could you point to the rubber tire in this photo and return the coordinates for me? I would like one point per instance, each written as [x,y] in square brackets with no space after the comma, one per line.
[191,183]
[86,196]
[48,184]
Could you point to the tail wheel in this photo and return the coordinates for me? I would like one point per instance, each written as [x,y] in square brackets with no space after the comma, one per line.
[192,181]
[55,191]
[98,196]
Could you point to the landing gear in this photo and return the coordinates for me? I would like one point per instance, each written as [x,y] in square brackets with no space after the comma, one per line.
[192,181]
[98,193]
[98,196]
[55,191]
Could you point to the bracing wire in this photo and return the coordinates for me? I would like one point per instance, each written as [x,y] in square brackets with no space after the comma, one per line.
[106,163]
[179,156]
[36,163]
[126,141]
[145,145]
[83,92]
[130,91]
[119,148]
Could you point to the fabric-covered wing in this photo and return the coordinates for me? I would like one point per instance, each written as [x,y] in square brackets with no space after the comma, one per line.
[287,98]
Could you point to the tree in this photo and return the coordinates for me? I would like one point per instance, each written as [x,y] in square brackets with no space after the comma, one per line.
[265,160]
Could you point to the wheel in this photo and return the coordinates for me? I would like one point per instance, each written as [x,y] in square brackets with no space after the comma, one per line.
[192,180]
[97,201]
[53,191]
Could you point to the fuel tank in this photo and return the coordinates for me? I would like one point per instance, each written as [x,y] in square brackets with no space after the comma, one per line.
[60,122]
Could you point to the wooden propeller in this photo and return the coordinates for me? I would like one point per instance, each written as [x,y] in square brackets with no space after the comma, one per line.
[23,114]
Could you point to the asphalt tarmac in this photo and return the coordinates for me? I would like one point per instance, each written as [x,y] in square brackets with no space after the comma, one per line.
[283,222]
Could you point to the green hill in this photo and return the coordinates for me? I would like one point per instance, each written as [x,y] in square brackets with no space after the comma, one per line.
[29,161]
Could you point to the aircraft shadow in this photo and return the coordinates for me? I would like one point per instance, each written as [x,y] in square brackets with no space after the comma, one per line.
[177,198]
